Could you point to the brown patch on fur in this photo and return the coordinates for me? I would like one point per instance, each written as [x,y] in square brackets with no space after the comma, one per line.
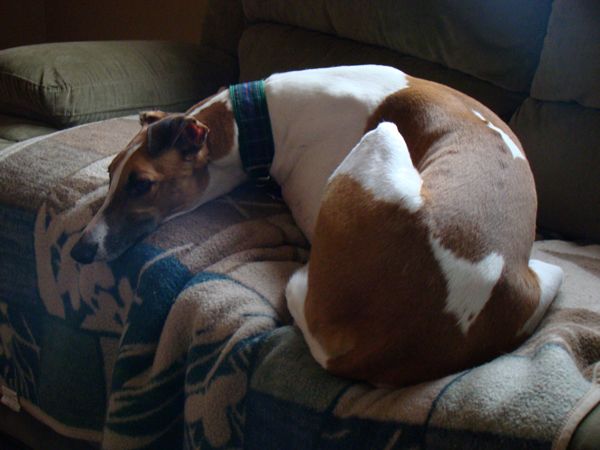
[177,182]
[148,117]
[482,199]
[376,293]
[377,304]
[181,189]
[220,121]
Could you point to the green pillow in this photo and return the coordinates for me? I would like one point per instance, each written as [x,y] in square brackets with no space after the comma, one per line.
[67,84]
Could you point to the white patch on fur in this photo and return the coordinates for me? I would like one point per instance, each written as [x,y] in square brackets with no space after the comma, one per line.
[469,284]
[514,148]
[295,294]
[550,278]
[97,227]
[99,233]
[381,163]
[317,117]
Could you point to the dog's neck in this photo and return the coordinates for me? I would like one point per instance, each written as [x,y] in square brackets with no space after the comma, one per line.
[225,170]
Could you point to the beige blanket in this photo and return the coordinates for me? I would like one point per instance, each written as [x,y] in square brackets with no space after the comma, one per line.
[185,341]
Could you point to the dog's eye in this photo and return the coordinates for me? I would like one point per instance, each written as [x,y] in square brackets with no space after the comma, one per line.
[137,186]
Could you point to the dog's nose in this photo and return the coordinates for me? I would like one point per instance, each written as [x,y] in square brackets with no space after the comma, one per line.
[84,252]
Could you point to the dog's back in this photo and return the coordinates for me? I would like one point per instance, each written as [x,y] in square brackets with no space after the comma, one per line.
[420,258]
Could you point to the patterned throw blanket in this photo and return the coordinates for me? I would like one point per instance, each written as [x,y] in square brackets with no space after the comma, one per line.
[185,341]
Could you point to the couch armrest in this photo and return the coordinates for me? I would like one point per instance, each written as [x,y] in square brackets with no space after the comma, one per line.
[71,83]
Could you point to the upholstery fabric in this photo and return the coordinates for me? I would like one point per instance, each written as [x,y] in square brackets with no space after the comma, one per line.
[562,143]
[299,49]
[4,143]
[588,434]
[496,41]
[72,83]
[569,67]
[15,129]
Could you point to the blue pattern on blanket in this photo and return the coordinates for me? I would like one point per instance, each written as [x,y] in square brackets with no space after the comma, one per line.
[91,347]
[193,359]
[43,354]
[274,424]
[185,341]
[206,382]
[234,367]
[162,399]
[19,354]
[18,277]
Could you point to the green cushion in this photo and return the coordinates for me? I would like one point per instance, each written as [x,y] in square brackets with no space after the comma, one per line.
[71,83]
[298,48]
[15,129]
[562,143]
[569,67]
[587,436]
[308,14]
[4,143]
[497,41]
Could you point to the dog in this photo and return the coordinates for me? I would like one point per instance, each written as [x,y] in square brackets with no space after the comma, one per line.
[418,201]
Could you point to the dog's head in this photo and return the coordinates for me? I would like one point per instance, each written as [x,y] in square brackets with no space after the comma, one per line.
[160,174]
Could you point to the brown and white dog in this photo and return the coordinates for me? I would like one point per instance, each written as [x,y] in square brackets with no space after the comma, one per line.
[421,229]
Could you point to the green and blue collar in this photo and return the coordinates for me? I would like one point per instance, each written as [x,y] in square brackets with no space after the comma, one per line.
[254,127]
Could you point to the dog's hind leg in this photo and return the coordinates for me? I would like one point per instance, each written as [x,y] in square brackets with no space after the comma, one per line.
[295,293]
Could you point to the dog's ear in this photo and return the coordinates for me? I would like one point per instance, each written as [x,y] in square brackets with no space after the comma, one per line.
[186,133]
[162,133]
[192,137]
[148,117]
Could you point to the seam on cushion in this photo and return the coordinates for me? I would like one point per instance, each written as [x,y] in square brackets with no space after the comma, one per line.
[129,107]
[72,120]
[75,117]
[79,86]
[33,83]
[57,117]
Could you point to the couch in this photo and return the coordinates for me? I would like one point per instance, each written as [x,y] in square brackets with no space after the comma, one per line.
[185,341]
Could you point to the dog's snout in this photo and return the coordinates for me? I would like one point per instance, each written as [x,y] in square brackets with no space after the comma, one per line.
[84,252]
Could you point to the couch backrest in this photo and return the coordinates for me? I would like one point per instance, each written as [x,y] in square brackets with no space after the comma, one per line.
[498,52]
[559,125]
[496,41]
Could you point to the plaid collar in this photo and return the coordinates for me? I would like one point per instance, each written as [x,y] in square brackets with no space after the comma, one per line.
[254,126]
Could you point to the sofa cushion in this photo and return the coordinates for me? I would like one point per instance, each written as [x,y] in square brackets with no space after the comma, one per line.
[72,83]
[569,68]
[5,143]
[496,41]
[562,141]
[587,436]
[300,49]
[15,129]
